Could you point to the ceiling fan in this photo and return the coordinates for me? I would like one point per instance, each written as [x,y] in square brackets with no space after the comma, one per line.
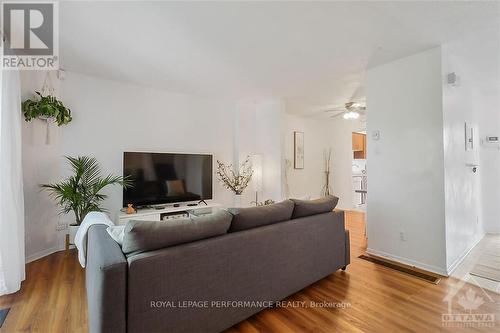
[351,110]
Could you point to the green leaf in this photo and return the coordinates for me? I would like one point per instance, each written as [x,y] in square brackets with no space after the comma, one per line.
[46,107]
[81,192]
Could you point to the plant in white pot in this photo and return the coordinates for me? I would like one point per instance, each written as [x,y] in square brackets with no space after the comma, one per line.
[81,193]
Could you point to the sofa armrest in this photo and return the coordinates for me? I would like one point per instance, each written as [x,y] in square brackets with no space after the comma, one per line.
[106,282]
[340,218]
[347,248]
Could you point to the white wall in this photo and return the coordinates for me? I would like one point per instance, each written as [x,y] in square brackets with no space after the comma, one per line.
[269,128]
[244,141]
[40,165]
[472,200]
[258,130]
[405,167]
[428,192]
[475,63]
[475,59]
[307,182]
[108,118]
[320,135]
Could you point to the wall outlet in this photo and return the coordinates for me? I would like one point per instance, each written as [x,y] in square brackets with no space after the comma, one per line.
[402,236]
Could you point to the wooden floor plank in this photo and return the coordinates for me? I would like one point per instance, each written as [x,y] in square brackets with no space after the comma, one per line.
[53,299]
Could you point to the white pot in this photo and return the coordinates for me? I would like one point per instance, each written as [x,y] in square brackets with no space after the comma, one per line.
[72,233]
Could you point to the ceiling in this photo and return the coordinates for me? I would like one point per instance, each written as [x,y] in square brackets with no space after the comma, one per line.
[312,54]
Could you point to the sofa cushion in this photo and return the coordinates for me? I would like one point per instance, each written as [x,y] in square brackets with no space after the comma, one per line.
[142,236]
[252,217]
[313,207]
[117,232]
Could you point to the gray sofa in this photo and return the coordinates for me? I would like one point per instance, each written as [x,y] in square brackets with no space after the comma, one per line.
[196,286]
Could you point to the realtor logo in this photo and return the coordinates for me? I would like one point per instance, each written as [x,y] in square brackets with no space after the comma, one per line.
[468,313]
[30,39]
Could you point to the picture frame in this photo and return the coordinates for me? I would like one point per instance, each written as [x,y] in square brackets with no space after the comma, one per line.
[298,149]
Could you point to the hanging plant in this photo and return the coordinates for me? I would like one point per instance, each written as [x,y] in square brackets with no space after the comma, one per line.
[46,107]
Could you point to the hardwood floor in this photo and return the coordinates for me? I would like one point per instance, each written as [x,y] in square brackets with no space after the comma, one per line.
[51,299]
[376,299]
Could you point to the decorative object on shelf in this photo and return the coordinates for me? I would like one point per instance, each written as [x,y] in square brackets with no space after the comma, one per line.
[265,203]
[257,175]
[327,156]
[298,148]
[131,209]
[80,193]
[235,180]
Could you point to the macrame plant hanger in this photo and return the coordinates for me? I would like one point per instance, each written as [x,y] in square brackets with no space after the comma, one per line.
[47,89]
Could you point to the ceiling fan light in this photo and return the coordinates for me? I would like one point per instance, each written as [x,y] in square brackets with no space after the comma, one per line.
[351,115]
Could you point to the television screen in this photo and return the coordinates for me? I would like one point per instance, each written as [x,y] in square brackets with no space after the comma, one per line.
[160,178]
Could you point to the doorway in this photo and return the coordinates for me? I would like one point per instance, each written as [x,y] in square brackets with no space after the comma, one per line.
[359,175]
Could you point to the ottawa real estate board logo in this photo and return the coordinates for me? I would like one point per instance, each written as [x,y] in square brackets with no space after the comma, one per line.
[30,39]
[467,302]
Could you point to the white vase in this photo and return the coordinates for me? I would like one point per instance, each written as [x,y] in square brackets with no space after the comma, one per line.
[237,201]
[72,233]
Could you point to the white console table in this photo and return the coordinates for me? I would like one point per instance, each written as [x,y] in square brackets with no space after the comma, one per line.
[152,214]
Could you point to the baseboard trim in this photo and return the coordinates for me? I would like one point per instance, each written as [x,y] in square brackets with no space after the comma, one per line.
[43,253]
[406,261]
[404,269]
[461,258]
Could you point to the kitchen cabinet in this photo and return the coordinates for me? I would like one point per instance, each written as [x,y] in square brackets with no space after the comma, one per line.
[359,146]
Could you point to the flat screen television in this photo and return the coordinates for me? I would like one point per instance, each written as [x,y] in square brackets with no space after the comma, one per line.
[161,178]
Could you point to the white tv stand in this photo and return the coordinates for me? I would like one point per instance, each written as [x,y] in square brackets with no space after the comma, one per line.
[152,214]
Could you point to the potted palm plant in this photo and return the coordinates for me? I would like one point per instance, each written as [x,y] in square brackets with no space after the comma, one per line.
[81,193]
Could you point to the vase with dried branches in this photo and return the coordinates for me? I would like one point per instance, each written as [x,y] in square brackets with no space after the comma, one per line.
[235,180]
[327,155]
[286,184]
